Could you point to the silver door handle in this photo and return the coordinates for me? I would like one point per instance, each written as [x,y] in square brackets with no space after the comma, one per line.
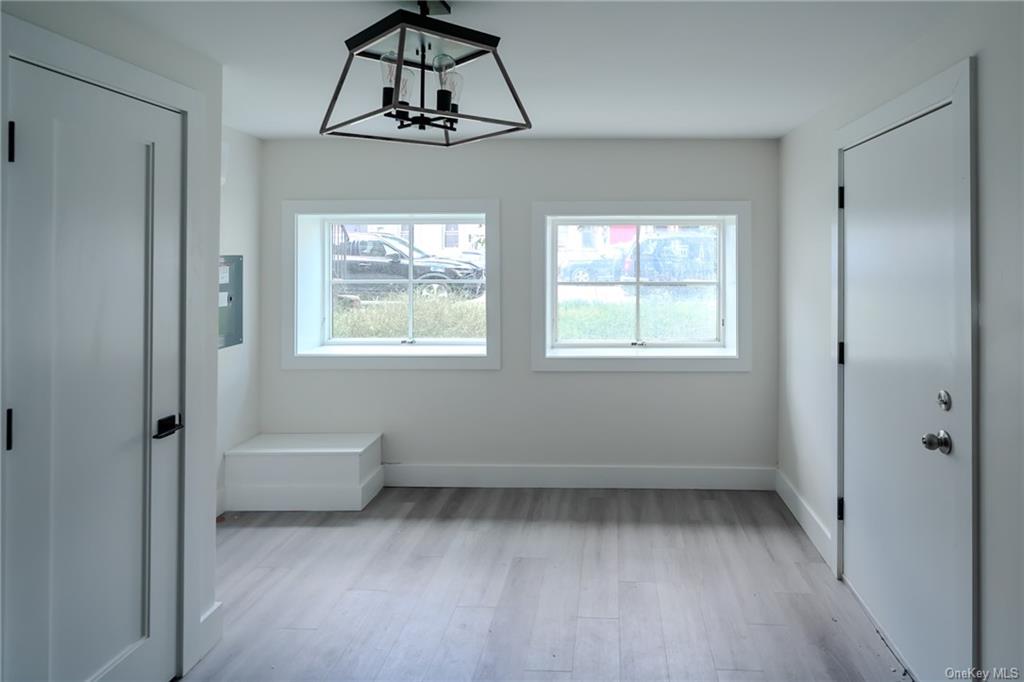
[938,441]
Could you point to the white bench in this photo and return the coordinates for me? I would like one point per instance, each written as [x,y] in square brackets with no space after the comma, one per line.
[303,472]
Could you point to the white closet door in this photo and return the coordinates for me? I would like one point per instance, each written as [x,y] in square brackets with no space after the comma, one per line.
[908,509]
[92,359]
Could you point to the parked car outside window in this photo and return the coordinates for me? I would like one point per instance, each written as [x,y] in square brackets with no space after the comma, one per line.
[384,259]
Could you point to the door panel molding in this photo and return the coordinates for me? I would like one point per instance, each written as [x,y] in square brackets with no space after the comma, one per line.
[953,88]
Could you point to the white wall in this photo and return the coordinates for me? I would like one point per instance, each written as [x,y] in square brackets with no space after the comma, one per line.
[807,425]
[238,372]
[516,416]
[100,27]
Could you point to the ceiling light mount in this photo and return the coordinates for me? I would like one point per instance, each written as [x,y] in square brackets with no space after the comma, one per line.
[433,7]
[408,47]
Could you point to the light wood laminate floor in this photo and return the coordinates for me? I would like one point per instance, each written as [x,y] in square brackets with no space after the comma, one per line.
[521,584]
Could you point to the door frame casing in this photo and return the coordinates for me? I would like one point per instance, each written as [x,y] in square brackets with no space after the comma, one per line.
[199,625]
[952,88]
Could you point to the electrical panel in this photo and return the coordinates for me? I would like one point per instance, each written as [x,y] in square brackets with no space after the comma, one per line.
[229,301]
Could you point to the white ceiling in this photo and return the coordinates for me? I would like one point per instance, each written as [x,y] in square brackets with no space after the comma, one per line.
[583,69]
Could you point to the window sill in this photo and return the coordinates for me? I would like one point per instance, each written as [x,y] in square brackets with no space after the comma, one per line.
[640,360]
[412,356]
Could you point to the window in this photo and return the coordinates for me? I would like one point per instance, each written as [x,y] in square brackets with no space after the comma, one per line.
[631,286]
[393,285]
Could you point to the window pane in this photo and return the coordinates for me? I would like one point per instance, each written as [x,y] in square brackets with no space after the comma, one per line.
[449,251]
[370,311]
[444,310]
[368,251]
[673,253]
[596,313]
[679,314]
[449,262]
[594,253]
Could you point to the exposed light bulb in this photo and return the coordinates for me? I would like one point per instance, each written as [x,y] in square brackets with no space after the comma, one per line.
[455,87]
[444,66]
[403,92]
[388,64]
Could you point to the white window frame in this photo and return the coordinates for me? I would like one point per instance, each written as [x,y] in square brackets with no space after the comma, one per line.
[306,300]
[730,353]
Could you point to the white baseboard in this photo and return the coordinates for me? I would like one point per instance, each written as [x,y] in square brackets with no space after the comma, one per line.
[578,476]
[211,626]
[370,486]
[812,524]
[209,632]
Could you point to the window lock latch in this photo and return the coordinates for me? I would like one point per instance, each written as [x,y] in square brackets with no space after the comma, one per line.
[639,344]
[408,340]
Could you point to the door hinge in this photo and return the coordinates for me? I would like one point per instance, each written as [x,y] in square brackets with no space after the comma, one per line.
[841,353]
[9,430]
[842,197]
[840,512]
[10,142]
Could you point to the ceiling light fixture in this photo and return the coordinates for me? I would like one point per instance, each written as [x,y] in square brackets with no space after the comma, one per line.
[403,43]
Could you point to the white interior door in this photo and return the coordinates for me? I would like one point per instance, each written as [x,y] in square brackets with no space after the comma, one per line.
[908,529]
[91,361]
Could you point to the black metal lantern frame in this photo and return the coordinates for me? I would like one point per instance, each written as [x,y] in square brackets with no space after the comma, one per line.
[417,33]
